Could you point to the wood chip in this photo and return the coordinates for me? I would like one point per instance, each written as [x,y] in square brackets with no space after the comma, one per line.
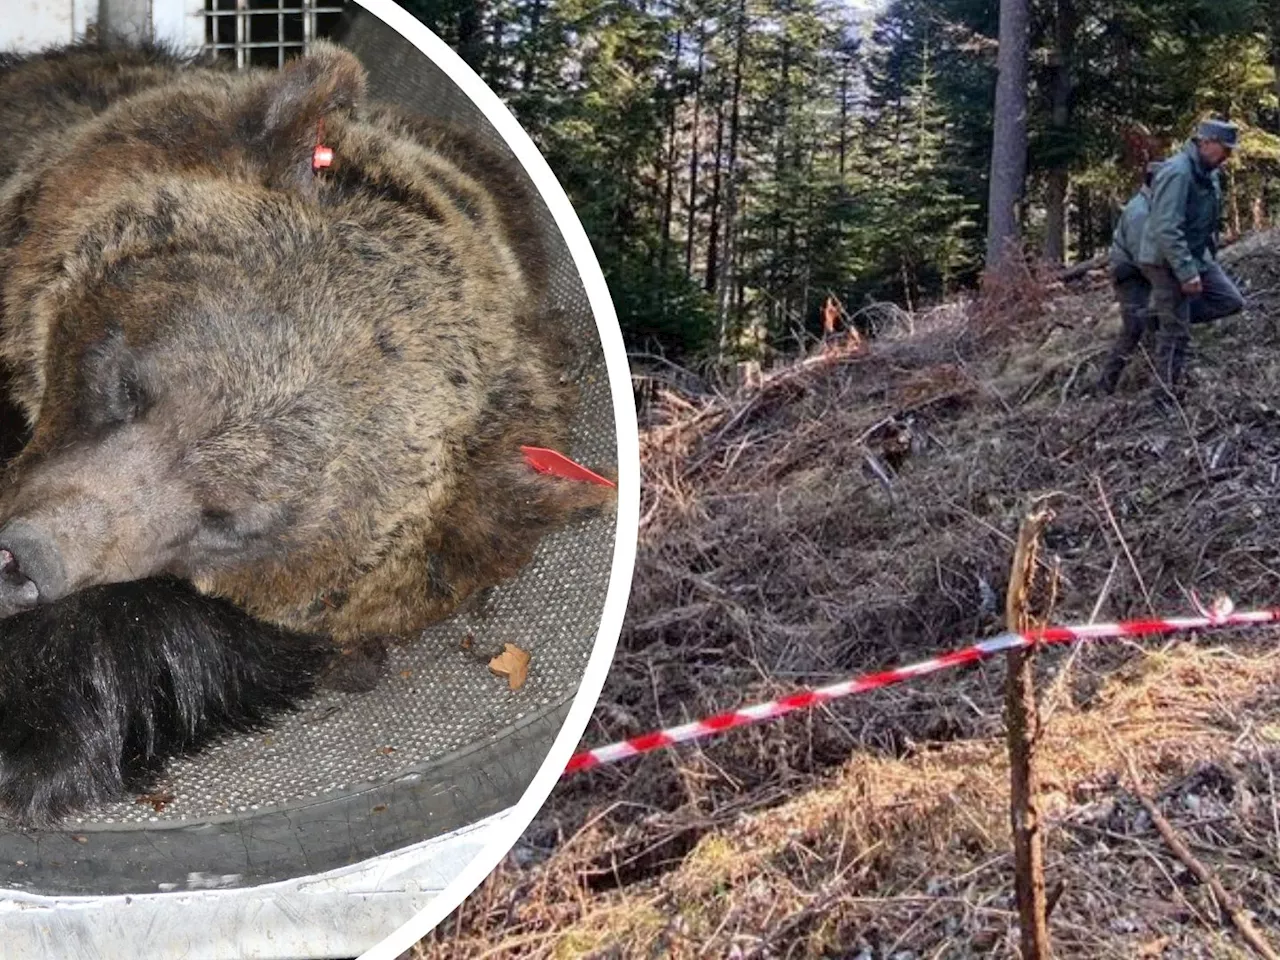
[512,663]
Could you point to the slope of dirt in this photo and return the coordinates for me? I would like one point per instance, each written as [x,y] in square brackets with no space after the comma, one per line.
[858,512]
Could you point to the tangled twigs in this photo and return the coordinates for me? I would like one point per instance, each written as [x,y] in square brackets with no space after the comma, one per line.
[1228,904]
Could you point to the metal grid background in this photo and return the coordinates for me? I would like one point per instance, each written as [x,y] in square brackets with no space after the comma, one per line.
[268,32]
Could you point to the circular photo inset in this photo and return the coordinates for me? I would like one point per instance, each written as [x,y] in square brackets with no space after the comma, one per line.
[321,483]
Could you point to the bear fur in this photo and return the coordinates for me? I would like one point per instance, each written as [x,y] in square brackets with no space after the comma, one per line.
[273,414]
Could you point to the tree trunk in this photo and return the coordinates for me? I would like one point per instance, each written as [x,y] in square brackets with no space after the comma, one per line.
[493,62]
[1055,240]
[1087,234]
[1009,147]
[531,45]
[669,192]
[693,159]
[1235,208]
[1273,21]
[1055,217]
[777,303]
[471,34]
[713,227]
[844,118]
[807,276]
[728,277]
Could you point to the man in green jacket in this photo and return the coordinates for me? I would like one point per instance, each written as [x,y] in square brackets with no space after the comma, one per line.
[1178,245]
[1131,286]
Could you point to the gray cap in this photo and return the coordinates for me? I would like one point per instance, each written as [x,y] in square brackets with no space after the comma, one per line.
[1227,134]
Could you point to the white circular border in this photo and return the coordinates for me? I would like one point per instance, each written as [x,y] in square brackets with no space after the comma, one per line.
[509,829]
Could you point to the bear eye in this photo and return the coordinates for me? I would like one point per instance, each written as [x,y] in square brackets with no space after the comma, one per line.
[113,392]
[130,399]
[216,517]
[244,528]
[217,530]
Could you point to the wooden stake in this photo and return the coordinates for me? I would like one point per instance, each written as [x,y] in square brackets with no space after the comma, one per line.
[1022,729]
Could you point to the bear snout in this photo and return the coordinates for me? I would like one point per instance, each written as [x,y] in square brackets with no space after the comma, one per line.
[31,568]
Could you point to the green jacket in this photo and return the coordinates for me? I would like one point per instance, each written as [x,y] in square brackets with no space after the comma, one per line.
[1186,206]
[1127,238]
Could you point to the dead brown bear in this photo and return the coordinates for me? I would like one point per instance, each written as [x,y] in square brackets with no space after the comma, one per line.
[274,408]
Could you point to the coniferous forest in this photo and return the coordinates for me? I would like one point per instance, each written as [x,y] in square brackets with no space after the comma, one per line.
[735,162]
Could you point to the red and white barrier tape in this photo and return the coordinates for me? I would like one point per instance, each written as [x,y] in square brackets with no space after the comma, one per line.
[1222,617]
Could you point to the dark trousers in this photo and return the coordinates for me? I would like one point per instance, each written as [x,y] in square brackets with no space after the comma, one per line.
[1177,312]
[1133,291]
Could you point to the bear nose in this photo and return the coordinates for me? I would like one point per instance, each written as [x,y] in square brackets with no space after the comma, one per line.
[31,568]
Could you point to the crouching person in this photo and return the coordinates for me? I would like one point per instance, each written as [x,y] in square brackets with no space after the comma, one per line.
[1177,251]
[1131,286]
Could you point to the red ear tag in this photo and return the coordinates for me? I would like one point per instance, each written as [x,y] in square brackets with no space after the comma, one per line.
[321,158]
[557,464]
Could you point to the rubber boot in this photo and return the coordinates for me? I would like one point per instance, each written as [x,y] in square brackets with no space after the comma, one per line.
[1171,358]
[1110,375]
[1152,331]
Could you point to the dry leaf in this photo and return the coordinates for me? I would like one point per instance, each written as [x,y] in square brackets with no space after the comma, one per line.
[512,663]
[1154,948]
[158,800]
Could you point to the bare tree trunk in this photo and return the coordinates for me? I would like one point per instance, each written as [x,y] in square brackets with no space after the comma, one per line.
[493,63]
[1273,19]
[728,279]
[693,158]
[1009,147]
[807,276]
[1233,187]
[1084,202]
[1055,240]
[844,117]
[531,57]
[778,302]
[669,192]
[471,34]
[1055,216]
[713,228]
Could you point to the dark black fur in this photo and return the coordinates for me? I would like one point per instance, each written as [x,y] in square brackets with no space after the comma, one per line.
[99,689]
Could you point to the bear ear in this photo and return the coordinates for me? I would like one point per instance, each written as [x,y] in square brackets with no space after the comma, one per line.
[285,117]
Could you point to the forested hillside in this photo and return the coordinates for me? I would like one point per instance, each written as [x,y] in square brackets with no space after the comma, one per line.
[736,161]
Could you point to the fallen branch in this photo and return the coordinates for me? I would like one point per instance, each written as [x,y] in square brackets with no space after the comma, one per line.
[1080,269]
[1228,904]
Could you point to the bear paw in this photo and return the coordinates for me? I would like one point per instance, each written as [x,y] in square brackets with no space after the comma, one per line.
[99,689]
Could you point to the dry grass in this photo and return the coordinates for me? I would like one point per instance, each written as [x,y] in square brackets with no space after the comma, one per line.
[860,511]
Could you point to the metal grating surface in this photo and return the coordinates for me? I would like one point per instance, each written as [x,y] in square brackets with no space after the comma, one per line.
[438,698]
[268,32]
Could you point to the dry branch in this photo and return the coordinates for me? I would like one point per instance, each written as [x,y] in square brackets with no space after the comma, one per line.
[1078,270]
[1228,904]
[1022,722]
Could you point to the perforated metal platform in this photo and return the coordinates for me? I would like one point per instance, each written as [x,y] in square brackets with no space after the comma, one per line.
[441,743]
